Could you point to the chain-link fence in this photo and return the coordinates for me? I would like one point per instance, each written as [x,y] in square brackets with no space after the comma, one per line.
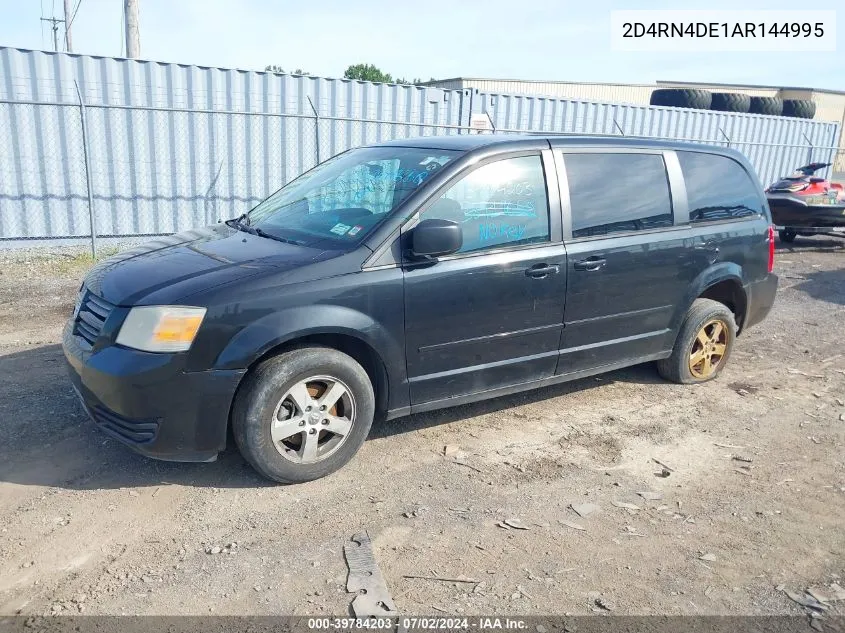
[43,189]
[77,171]
[839,167]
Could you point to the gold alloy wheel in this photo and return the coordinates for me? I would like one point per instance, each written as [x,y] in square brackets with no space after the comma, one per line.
[708,349]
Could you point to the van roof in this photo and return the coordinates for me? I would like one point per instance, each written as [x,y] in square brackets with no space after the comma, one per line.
[466,142]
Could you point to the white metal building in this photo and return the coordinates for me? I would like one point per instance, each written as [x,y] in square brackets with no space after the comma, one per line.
[830,104]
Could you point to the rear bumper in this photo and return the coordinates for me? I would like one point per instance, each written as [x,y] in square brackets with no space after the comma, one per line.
[148,402]
[761,297]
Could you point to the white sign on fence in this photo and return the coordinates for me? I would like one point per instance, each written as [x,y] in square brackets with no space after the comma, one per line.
[480,122]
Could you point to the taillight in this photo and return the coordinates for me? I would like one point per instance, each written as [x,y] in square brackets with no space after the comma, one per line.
[771,248]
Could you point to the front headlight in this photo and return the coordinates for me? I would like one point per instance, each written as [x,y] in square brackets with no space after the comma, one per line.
[160,328]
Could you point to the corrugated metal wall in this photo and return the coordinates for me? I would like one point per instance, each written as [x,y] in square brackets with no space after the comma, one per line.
[615,93]
[775,145]
[173,146]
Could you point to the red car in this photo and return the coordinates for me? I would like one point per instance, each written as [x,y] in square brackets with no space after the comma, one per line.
[803,204]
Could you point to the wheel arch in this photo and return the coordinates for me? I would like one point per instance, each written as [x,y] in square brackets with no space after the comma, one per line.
[353,346]
[349,331]
[730,293]
[722,283]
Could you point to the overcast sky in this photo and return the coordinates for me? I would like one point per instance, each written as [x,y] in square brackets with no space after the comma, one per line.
[527,39]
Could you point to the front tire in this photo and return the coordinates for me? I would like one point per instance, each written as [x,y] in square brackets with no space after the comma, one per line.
[303,414]
[703,345]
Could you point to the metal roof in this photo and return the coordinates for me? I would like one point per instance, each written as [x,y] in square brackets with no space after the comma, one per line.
[434,82]
[657,84]
[466,142]
[705,84]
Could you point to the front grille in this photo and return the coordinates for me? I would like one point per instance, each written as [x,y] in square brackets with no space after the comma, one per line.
[92,315]
[132,431]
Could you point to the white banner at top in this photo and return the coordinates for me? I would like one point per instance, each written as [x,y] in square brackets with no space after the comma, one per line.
[719,31]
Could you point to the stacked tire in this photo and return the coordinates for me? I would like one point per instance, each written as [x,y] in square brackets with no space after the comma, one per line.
[799,108]
[772,106]
[681,98]
[732,102]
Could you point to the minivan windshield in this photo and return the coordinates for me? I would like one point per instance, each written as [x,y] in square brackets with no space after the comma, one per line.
[341,201]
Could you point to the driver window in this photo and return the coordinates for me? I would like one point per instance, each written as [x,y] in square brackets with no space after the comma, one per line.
[500,204]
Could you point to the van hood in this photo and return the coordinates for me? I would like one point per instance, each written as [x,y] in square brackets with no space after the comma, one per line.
[166,269]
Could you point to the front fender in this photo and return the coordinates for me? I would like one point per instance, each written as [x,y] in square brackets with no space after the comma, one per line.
[723,271]
[290,324]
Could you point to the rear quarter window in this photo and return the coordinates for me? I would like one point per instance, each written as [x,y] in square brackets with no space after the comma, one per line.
[718,188]
[617,193]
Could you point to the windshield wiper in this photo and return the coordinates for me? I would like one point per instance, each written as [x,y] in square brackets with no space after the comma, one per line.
[264,233]
[241,223]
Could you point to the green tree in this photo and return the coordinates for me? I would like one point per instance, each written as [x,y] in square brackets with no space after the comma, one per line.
[416,81]
[272,68]
[367,72]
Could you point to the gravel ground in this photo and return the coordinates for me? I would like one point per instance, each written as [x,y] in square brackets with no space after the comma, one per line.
[752,507]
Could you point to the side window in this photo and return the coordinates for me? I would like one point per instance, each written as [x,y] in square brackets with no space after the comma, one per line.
[613,193]
[718,188]
[500,204]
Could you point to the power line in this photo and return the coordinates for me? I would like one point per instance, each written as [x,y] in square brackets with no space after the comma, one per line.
[54,26]
[73,17]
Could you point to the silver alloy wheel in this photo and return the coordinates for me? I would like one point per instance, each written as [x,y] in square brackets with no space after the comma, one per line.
[313,419]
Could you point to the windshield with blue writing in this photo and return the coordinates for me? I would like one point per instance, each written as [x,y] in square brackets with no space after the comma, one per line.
[339,202]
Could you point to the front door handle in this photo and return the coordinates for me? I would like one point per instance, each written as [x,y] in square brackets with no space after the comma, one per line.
[591,263]
[538,271]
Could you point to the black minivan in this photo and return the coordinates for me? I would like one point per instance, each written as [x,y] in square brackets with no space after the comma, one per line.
[418,274]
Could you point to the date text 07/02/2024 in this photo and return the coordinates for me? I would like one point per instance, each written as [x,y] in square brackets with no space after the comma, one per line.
[418,624]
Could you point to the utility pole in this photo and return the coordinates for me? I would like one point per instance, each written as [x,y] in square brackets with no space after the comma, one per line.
[55,28]
[68,17]
[133,36]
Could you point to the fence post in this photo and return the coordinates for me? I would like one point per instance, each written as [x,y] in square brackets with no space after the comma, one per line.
[87,170]
[316,127]
[809,149]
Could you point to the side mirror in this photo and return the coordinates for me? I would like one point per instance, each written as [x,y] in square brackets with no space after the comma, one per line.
[433,238]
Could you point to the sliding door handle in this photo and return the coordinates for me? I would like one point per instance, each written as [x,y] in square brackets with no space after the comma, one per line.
[591,263]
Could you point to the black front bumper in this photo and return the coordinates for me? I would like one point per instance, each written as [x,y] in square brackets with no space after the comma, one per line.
[149,402]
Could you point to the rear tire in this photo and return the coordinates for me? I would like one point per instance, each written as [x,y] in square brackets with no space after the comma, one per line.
[284,394]
[703,346]
[787,235]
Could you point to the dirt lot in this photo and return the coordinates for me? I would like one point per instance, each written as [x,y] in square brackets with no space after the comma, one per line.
[88,526]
